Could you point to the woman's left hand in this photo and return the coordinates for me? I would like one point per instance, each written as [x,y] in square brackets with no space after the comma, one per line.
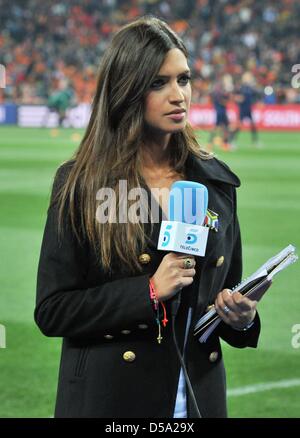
[235,309]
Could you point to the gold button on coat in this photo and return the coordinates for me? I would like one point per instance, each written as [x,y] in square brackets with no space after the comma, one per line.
[143,326]
[126,332]
[108,337]
[144,259]
[213,356]
[220,261]
[129,356]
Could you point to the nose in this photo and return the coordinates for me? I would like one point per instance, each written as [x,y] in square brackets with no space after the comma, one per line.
[176,94]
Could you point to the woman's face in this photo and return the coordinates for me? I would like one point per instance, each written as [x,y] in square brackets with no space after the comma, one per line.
[170,91]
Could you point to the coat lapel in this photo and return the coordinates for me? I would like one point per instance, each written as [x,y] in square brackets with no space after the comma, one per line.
[219,180]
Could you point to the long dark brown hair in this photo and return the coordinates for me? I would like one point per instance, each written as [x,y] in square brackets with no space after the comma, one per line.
[111,147]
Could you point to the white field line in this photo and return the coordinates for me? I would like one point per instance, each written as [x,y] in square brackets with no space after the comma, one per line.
[260,387]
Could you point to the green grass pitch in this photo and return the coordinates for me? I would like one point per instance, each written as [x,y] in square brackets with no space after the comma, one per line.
[266,380]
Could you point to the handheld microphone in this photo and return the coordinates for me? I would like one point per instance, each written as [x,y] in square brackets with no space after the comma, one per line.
[184,231]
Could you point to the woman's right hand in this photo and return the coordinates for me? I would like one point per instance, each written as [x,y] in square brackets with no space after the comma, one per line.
[171,276]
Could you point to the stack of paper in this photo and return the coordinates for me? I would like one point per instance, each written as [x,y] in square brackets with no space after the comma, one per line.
[253,287]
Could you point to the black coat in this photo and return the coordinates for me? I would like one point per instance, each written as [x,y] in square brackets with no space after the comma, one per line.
[100,318]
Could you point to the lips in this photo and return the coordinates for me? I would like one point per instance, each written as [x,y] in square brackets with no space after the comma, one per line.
[177,111]
[176,115]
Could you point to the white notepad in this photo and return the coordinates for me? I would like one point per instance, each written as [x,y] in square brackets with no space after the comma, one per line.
[253,287]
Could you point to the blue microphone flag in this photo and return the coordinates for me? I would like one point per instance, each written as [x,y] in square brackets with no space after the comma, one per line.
[188,202]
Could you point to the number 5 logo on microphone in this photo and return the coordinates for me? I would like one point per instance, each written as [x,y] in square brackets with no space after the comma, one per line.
[167,236]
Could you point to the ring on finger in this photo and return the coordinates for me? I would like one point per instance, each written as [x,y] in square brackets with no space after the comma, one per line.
[188,263]
[226,309]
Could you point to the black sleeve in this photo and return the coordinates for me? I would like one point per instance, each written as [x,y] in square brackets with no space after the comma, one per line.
[236,338]
[65,305]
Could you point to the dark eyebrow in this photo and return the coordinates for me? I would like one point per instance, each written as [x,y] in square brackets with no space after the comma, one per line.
[167,77]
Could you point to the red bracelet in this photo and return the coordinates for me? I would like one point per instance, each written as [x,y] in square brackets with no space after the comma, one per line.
[153,294]
[156,302]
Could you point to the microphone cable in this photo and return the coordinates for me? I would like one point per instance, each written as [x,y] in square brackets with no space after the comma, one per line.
[174,309]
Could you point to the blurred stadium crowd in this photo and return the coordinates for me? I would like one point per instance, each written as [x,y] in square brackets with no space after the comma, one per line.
[51,44]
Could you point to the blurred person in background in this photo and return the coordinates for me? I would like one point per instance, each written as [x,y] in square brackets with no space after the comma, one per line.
[221,134]
[59,101]
[244,96]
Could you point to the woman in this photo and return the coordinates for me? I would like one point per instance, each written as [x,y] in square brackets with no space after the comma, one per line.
[103,286]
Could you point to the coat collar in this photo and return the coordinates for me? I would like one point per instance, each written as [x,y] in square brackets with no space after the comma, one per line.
[210,170]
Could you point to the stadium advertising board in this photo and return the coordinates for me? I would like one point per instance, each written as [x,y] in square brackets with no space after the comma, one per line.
[41,116]
[8,114]
[266,117]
